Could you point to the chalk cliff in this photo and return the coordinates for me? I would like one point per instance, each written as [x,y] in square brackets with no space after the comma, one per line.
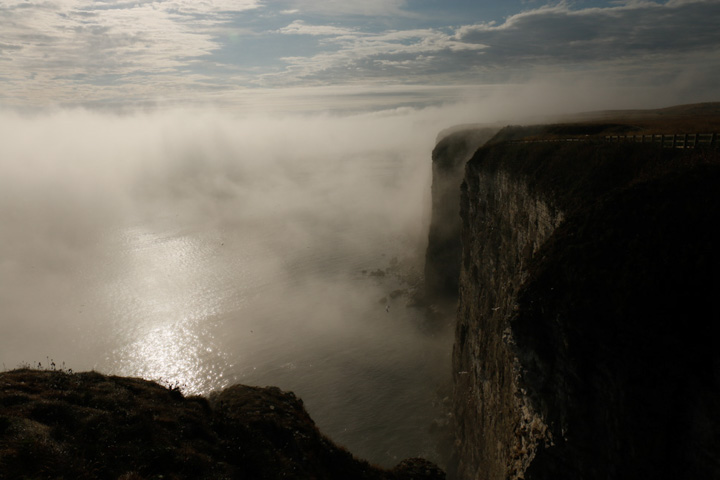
[588,317]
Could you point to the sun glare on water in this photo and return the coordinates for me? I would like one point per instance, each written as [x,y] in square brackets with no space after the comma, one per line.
[166,312]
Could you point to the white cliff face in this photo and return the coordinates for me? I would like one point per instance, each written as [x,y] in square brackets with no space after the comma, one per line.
[504,225]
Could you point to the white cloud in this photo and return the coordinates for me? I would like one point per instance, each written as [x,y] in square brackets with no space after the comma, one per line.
[374,56]
[351,7]
[204,7]
[52,47]
[560,34]
[298,27]
[663,39]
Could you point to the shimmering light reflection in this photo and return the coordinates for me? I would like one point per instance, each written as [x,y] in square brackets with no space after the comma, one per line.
[174,354]
[165,301]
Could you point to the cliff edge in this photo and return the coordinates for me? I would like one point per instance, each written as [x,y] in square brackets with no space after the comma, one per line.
[442,259]
[587,320]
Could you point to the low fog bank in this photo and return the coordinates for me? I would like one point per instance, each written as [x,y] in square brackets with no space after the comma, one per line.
[73,180]
[201,248]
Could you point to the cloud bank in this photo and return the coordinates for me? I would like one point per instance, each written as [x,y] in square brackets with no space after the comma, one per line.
[72,177]
[73,181]
[82,52]
[662,39]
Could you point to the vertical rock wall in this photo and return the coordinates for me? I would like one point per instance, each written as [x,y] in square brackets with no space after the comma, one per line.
[505,224]
[587,318]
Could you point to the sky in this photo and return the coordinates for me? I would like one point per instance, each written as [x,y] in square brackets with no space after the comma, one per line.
[233,53]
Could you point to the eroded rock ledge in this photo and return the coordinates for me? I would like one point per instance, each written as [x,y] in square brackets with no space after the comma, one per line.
[55,424]
[588,315]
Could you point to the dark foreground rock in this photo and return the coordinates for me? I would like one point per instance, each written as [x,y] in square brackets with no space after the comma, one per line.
[55,424]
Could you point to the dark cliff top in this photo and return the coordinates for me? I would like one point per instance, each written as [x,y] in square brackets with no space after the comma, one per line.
[695,118]
[571,174]
[465,129]
[57,424]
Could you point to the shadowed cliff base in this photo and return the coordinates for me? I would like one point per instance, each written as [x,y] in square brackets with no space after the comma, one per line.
[587,316]
[56,424]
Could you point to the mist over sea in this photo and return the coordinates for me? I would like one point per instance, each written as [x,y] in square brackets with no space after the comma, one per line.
[203,247]
[202,250]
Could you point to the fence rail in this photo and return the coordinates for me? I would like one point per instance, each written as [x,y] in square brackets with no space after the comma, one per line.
[682,140]
[679,140]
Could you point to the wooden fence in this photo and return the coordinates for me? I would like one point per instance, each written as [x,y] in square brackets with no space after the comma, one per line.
[680,140]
